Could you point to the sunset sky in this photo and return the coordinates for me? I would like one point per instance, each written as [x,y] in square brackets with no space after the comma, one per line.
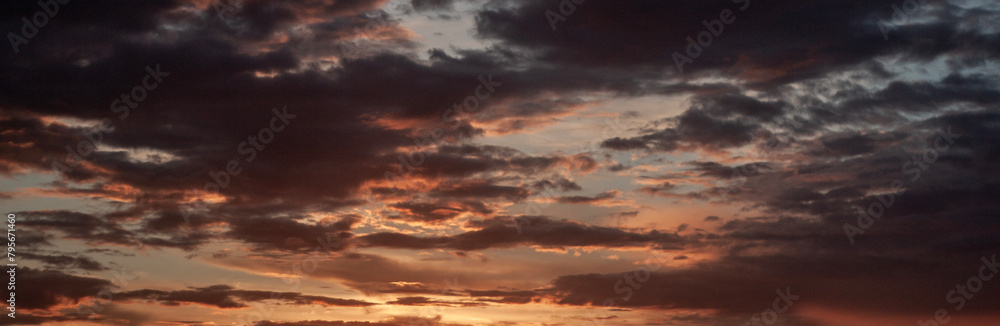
[501,162]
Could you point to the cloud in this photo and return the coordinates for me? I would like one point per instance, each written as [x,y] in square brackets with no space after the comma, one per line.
[50,288]
[395,321]
[604,196]
[848,36]
[560,183]
[480,190]
[695,128]
[535,231]
[506,297]
[65,261]
[427,5]
[437,212]
[224,296]
[287,234]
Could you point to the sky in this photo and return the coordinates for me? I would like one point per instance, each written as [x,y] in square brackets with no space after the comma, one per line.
[502,163]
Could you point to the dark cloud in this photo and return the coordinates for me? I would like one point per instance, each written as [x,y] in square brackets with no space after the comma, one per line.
[848,282]
[413,301]
[774,41]
[856,144]
[661,189]
[560,183]
[480,190]
[49,288]
[604,196]
[907,97]
[426,5]
[437,212]
[944,211]
[694,128]
[395,321]
[85,227]
[325,323]
[539,231]
[506,297]
[378,288]
[65,261]
[283,233]
[224,296]
[741,105]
